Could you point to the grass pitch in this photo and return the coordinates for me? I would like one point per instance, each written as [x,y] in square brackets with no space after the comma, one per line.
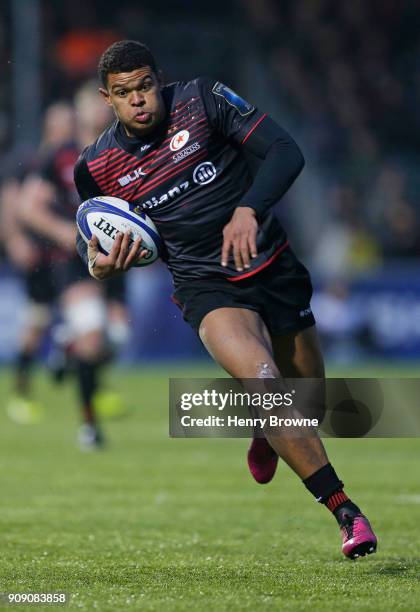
[153,523]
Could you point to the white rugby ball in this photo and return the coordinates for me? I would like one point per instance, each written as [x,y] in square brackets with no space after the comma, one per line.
[105,217]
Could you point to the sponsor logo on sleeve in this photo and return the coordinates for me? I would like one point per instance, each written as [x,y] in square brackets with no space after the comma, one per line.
[243,107]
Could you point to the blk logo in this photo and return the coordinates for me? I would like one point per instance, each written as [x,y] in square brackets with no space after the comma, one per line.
[179,140]
[133,176]
[204,173]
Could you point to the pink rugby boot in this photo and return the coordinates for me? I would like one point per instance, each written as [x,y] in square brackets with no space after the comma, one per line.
[262,460]
[358,537]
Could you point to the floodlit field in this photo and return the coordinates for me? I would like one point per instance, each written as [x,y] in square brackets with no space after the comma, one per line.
[153,523]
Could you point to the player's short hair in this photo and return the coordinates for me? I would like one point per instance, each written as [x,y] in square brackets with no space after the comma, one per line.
[124,56]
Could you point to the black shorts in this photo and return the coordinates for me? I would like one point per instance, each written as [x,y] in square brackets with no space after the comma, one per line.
[46,282]
[281,294]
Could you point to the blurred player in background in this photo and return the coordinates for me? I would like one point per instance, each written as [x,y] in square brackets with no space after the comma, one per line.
[238,282]
[28,253]
[94,318]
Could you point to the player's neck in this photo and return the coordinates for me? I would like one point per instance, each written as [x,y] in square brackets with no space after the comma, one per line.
[139,135]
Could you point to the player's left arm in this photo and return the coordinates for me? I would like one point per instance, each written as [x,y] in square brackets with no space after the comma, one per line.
[258,134]
[282,163]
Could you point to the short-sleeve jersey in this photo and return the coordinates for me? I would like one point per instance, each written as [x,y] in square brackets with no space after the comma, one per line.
[189,175]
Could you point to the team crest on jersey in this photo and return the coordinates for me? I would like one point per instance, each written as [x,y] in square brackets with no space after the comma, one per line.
[243,107]
[179,140]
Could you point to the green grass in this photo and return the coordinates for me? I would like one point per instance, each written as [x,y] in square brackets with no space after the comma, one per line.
[153,523]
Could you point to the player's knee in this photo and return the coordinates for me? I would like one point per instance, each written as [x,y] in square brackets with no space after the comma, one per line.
[266,369]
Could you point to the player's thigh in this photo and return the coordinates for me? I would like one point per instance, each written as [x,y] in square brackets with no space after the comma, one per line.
[238,340]
[298,354]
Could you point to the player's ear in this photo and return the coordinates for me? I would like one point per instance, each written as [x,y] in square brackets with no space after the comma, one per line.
[104,93]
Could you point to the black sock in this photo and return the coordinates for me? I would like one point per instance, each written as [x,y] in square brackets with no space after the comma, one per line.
[23,367]
[87,376]
[327,488]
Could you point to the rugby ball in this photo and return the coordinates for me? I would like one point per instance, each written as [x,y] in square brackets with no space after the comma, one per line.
[106,216]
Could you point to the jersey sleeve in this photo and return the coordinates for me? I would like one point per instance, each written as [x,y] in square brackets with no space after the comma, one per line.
[228,113]
[84,181]
[257,133]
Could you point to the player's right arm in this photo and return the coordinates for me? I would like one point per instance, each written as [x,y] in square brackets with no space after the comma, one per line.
[121,257]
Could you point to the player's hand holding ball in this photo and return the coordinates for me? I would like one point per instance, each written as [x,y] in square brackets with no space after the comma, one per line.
[120,259]
[117,238]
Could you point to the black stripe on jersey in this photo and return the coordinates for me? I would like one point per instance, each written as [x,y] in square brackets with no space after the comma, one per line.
[117,159]
[116,166]
[181,105]
[178,169]
[101,157]
[120,158]
[128,166]
[162,171]
[84,181]
[140,188]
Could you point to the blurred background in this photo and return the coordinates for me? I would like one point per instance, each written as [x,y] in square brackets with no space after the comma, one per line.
[343,78]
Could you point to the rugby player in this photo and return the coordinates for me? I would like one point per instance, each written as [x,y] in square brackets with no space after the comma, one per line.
[177,152]
[29,255]
[46,206]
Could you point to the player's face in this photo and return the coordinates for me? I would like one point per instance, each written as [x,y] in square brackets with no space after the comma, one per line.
[136,99]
